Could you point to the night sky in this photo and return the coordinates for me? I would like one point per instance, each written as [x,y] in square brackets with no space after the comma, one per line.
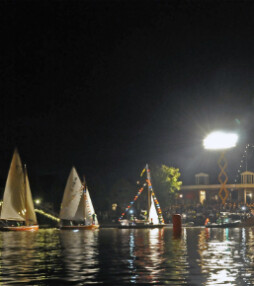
[109,86]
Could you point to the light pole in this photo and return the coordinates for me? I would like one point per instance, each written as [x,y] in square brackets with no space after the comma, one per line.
[222,141]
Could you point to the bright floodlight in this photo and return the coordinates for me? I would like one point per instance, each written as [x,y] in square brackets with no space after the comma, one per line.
[220,140]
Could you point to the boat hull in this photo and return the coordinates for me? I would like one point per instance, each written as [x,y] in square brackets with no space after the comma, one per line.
[20,228]
[249,222]
[226,225]
[84,227]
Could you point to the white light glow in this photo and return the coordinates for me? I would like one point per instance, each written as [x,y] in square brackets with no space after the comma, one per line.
[220,140]
[37,201]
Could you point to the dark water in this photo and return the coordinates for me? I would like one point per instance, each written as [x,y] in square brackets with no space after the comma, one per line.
[125,257]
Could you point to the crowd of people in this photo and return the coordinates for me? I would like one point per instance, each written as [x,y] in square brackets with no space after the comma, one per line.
[197,214]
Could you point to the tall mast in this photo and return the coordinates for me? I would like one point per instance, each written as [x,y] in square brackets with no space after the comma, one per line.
[149,189]
[84,197]
[25,195]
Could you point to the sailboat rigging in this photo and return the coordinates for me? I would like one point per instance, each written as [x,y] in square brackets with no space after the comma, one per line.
[153,217]
[17,212]
[77,211]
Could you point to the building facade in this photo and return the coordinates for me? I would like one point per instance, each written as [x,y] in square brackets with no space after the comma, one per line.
[203,192]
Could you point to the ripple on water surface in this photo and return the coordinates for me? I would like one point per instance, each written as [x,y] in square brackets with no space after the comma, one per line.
[128,256]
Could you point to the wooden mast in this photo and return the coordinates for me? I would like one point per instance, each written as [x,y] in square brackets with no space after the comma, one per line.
[26,213]
[149,191]
[84,197]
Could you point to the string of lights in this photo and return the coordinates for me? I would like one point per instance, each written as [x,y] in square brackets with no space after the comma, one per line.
[132,202]
[47,214]
[243,162]
[135,198]
[157,205]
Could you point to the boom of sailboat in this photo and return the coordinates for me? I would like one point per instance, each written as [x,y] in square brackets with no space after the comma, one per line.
[77,211]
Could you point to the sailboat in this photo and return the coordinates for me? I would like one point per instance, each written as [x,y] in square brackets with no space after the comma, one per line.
[77,211]
[17,212]
[153,218]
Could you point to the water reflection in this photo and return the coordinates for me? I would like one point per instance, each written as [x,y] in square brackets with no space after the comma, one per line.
[225,256]
[148,251]
[10,245]
[176,264]
[25,257]
[128,256]
[80,254]
[132,259]
[156,249]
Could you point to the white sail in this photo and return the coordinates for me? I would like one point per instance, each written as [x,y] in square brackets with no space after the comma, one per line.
[31,216]
[70,209]
[17,200]
[76,204]
[153,216]
[80,213]
[89,210]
